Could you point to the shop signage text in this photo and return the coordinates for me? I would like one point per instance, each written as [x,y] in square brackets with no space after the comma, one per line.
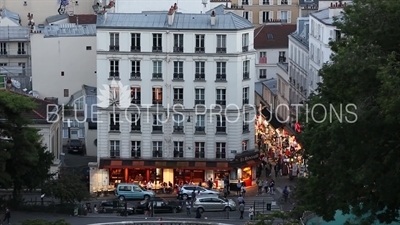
[250,157]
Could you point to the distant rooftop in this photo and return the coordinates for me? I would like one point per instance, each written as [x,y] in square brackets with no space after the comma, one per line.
[5,13]
[219,10]
[273,35]
[304,3]
[182,21]
[302,32]
[68,30]
[89,90]
[258,87]
[83,19]
[15,33]
[271,84]
[323,16]
[56,18]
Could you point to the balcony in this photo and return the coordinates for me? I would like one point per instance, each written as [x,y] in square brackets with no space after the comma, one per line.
[199,50]
[262,60]
[114,74]
[220,77]
[135,101]
[221,102]
[220,155]
[199,102]
[157,154]
[178,154]
[178,76]
[157,76]
[114,127]
[246,128]
[200,155]
[114,48]
[178,101]
[135,76]
[199,76]
[157,101]
[114,153]
[135,48]
[200,129]
[135,153]
[178,49]
[157,129]
[21,52]
[221,50]
[3,52]
[157,48]
[246,75]
[178,129]
[282,59]
[135,128]
[221,129]
[245,48]
[245,101]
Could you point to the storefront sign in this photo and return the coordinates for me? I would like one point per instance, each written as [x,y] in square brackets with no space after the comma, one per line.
[249,157]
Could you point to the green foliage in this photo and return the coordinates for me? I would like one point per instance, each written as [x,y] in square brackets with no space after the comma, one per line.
[44,222]
[68,188]
[354,165]
[23,159]
[283,218]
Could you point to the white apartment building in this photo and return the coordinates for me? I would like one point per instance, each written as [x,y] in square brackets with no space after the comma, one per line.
[322,31]
[63,55]
[271,44]
[187,6]
[299,62]
[202,62]
[42,9]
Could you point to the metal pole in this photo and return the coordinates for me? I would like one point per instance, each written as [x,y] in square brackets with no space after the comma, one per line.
[254,207]
[263,204]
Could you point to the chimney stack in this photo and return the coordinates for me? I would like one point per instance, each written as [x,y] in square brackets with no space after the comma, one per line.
[213,18]
[77,20]
[171,14]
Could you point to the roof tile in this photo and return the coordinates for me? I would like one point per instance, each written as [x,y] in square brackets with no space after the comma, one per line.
[278,32]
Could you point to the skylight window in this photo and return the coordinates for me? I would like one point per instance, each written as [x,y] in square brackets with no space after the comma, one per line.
[270,36]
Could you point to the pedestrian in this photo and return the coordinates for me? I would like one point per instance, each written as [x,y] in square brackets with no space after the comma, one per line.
[271,187]
[239,187]
[193,197]
[210,184]
[147,212]
[243,190]
[240,199]
[276,168]
[266,187]
[188,208]
[7,216]
[198,214]
[241,210]
[95,209]
[251,212]
[260,184]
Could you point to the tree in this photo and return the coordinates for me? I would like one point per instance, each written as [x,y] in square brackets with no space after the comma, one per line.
[21,151]
[282,217]
[67,188]
[354,162]
[44,222]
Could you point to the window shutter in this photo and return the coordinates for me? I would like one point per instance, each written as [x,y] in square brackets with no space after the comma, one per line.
[278,15]
[251,16]
[239,2]
[260,2]
[250,2]
[271,2]
[289,2]
[271,15]
[278,2]
[260,17]
[289,17]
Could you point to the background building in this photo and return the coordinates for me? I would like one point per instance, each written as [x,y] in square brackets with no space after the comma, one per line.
[63,55]
[196,60]
[187,6]
[271,44]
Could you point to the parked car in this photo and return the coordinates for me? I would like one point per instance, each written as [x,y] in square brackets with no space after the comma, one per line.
[213,203]
[186,191]
[132,191]
[75,145]
[160,206]
[115,206]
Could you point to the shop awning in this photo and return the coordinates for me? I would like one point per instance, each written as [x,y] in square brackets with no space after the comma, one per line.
[271,118]
[246,158]
[151,163]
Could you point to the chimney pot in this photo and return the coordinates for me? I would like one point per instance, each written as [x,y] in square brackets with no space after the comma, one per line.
[213,18]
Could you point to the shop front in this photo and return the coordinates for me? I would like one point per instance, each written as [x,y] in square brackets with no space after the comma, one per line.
[246,164]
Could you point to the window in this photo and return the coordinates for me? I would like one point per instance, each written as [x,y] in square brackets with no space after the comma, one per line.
[199,96]
[178,123]
[200,71]
[199,150]
[135,42]
[263,58]
[200,123]
[3,48]
[246,120]
[246,70]
[266,2]
[157,123]
[79,104]
[65,133]
[221,124]
[283,16]
[245,144]
[157,149]
[135,122]
[88,48]
[246,15]
[2,81]
[114,122]
[221,43]
[157,42]
[220,151]
[114,96]
[66,92]
[114,149]
[245,96]
[135,149]
[157,95]
[338,35]
[157,70]
[114,69]
[221,97]
[3,64]
[221,71]
[200,43]
[178,149]
[135,95]
[21,48]
[265,16]
[282,57]
[178,70]
[245,2]
[284,2]
[135,69]
[114,41]
[178,42]
[178,96]
[245,42]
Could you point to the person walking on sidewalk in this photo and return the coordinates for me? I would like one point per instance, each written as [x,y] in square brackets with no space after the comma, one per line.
[243,190]
[260,184]
[239,188]
[7,216]
[240,199]
[271,187]
[266,187]
[241,210]
[276,169]
[188,208]
[251,212]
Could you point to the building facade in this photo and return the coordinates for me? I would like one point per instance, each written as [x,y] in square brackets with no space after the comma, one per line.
[189,79]
[271,44]
[67,67]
